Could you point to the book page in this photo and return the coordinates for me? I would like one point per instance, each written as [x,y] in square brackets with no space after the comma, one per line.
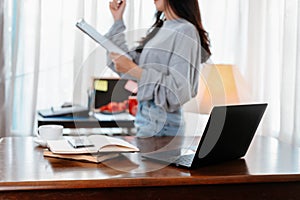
[102,144]
[63,147]
[110,144]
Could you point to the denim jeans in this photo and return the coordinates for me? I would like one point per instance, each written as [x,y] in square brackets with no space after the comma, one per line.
[152,120]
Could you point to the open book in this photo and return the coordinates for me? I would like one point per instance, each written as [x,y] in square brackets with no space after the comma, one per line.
[100,144]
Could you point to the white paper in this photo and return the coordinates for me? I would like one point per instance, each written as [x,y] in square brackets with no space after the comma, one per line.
[100,39]
[102,143]
[114,117]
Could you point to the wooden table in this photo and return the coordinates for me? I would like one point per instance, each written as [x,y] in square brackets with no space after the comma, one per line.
[270,170]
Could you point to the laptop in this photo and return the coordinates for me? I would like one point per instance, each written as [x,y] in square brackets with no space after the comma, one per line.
[227,136]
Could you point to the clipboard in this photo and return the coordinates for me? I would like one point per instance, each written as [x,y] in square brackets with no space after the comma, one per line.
[100,39]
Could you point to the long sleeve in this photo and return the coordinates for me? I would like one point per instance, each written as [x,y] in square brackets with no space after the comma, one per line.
[117,36]
[171,68]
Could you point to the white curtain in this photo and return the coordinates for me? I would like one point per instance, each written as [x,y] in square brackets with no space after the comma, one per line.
[21,44]
[290,74]
[262,38]
[2,76]
[49,61]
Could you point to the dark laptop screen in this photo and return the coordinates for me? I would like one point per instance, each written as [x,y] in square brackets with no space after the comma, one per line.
[110,90]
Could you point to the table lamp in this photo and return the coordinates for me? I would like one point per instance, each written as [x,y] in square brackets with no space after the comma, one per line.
[221,84]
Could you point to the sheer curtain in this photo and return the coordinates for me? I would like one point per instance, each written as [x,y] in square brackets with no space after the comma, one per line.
[262,37]
[2,77]
[48,61]
[290,74]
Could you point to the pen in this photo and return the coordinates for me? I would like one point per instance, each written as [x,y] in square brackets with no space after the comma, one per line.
[76,146]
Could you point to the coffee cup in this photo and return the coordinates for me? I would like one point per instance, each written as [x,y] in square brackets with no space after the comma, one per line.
[50,132]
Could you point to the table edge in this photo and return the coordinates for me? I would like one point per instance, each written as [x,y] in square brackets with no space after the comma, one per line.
[147,182]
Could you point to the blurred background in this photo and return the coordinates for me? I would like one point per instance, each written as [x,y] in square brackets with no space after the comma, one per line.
[45,61]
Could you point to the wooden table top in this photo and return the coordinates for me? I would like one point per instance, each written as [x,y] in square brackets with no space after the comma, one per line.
[23,167]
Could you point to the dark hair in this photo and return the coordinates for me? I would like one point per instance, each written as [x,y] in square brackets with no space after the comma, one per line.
[188,10]
[152,32]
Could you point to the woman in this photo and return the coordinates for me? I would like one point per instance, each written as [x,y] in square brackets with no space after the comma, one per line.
[165,64]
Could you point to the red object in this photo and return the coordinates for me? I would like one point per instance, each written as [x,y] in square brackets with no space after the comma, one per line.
[103,108]
[132,105]
[114,107]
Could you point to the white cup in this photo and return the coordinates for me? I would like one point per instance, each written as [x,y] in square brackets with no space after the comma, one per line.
[50,132]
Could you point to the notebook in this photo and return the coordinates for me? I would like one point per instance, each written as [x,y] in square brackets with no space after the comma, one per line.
[227,136]
[90,144]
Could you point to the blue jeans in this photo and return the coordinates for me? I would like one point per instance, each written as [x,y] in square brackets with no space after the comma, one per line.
[152,120]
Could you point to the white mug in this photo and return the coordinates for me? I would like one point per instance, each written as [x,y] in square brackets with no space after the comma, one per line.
[50,132]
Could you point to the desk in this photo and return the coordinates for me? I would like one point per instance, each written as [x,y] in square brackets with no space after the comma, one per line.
[84,122]
[270,170]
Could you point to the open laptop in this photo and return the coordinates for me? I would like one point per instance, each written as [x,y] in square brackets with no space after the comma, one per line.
[227,136]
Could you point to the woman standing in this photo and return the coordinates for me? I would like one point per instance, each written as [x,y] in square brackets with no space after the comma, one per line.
[166,64]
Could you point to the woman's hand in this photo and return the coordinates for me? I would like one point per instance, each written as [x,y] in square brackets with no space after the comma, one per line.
[117,8]
[125,65]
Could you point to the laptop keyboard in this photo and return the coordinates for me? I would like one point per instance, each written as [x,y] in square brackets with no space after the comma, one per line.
[185,160]
[172,157]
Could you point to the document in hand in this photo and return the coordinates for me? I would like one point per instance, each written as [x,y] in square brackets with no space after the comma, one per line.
[100,39]
[102,144]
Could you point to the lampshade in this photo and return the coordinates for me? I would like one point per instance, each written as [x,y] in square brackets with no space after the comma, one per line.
[220,84]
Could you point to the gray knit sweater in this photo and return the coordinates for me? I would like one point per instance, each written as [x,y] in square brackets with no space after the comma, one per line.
[171,62]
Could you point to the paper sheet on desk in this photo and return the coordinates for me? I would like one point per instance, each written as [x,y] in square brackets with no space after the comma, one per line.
[114,117]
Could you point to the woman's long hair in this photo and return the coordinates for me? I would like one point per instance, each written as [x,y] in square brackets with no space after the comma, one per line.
[188,10]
